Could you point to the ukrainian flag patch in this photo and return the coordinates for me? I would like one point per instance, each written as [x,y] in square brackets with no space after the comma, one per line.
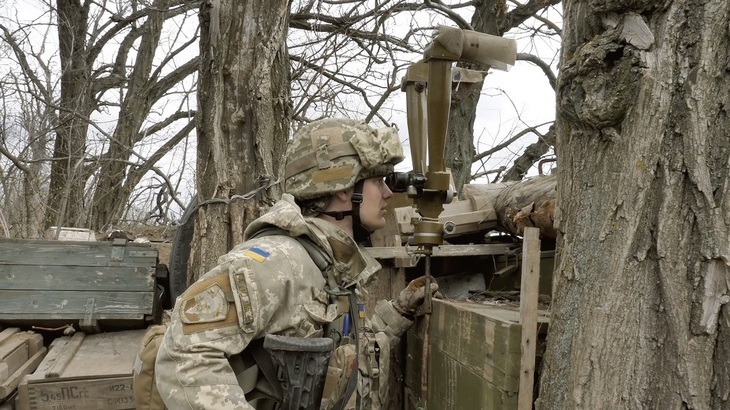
[256,254]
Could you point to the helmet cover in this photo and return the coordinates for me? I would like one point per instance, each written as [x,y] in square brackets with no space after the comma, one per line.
[331,155]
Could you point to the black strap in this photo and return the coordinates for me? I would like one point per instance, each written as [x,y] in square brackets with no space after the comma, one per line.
[266,365]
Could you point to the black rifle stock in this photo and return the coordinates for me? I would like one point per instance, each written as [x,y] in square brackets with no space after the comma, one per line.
[303,368]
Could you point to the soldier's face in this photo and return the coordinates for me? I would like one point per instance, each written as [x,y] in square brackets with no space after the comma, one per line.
[375,194]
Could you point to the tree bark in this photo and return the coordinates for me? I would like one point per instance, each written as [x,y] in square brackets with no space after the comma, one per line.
[65,196]
[639,316]
[243,97]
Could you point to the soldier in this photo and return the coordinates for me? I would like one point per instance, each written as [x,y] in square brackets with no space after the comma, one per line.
[335,197]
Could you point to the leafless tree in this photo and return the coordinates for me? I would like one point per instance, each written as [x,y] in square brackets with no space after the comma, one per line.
[109,67]
[24,145]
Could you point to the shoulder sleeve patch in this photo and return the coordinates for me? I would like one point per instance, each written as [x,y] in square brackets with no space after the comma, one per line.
[207,305]
[210,305]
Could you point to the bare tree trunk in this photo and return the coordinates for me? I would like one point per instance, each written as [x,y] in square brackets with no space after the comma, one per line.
[518,205]
[243,97]
[35,182]
[117,177]
[644,209]
[66,190]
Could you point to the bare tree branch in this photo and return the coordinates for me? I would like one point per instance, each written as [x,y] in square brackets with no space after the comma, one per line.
[552,79]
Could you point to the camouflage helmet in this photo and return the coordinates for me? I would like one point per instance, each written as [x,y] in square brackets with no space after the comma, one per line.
[331,155]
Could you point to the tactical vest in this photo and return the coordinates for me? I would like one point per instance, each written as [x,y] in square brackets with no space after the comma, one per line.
[259,376]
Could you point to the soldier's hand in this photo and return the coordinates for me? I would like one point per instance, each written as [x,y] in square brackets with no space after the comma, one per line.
[413,295]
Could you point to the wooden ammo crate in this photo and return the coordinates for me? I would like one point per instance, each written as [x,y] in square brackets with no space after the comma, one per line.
[92,284]
[473,356]
[20,354]
[84,372]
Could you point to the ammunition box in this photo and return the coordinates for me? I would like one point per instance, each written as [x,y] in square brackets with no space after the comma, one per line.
[84,372]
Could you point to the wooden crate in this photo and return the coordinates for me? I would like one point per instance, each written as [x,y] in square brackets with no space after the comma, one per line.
[473,356]
[92,284]
[20,354]
[84,372]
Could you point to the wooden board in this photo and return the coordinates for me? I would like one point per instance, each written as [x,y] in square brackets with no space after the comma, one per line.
[69,277]
[454,386]
[470,344]
[20,354]
[84,372]
[57,283]
[70,253]
[69,305]
[407,259]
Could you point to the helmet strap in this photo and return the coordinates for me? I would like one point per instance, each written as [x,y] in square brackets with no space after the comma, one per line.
[359,232]
[338,215]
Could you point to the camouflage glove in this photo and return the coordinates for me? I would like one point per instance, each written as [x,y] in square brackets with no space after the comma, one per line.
[412,296]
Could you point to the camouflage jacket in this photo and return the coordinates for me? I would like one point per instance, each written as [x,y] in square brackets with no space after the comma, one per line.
[267,285]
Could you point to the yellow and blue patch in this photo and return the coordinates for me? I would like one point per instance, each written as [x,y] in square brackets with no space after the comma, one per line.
[256,254]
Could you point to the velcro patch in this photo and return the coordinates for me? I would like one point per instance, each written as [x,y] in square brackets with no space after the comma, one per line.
[332,174]
[245,299]
[246,292]
[257,254]
[208,306]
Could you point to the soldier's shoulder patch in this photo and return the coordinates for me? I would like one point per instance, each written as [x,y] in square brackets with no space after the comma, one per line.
[207,305]
[256,253]
[210,305]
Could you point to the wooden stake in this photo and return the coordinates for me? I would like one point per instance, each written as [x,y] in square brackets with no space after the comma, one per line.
[529,290]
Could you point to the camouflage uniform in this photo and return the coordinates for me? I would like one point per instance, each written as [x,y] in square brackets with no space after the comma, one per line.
[269,285]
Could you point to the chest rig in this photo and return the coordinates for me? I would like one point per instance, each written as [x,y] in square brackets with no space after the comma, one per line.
[355,349]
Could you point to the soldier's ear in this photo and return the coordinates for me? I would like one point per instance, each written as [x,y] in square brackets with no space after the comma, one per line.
[343,196]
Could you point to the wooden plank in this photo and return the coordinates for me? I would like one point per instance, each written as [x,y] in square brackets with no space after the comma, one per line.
[440,251]
[112,353]
[15,350]
[13,354]
[7,387]
[484,345]
[109,393]
[65,379]
[6,333]
[72,304]
[484,338]
[529,291]
[59,253]
[452,384]
[82,278]
[56,353]
[60,362]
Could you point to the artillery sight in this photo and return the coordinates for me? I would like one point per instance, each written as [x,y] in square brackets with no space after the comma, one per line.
[427,85]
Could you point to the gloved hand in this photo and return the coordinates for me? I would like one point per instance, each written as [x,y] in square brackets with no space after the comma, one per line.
[412,296]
